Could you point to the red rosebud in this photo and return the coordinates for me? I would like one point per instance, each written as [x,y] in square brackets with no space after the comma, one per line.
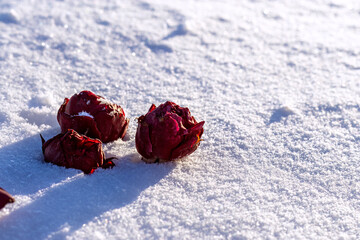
[5,198]
[93,116]
[73,150]
[167,132]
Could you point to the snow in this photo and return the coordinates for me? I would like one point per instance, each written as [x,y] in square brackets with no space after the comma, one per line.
[9,17]
[276,82]
[83,113]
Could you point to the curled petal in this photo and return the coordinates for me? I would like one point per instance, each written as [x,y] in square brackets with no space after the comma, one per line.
[190,143]
[142,140]
[165,137]
[108,163]
[152,108]
[5,198]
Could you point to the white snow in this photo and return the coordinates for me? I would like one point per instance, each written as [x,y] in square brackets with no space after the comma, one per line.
[104,101]
[9,17]
[276,82]
[83,113]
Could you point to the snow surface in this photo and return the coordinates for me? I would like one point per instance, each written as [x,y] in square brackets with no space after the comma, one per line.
[277,83]
[86,114]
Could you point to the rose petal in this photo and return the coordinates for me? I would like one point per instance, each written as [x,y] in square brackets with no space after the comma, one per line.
[5,198]
[190,143]
[142,139]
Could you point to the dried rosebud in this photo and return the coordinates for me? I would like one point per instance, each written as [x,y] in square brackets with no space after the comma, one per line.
[72,150]
[5,198]
[93,116]
[167,132]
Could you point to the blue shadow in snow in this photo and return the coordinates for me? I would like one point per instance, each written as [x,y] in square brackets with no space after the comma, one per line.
[8,18]
[23,171]
[180,30]
[158,48]
[66,197]
[279,114]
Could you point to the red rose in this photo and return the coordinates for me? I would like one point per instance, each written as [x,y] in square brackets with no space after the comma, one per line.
[5,198]
[167,132]
[73,150]
[93,116]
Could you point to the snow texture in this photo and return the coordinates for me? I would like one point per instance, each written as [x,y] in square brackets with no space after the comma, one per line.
[86,114]
[276,82]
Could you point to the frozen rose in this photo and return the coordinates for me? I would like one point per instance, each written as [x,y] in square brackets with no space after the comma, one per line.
[72,150]
[5,198]
[93,116]
[167,132]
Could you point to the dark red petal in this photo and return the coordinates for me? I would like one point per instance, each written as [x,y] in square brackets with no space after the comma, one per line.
[142,140]
[164,137]
[5,198]
[190,143]
[111,126]
[108,164]
[167,132]
[73,150]
[83,101]
[198,127]
[124,129]
[42,139]
[53,152]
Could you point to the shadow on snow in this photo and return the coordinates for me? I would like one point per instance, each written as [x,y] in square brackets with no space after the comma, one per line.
[65,197]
